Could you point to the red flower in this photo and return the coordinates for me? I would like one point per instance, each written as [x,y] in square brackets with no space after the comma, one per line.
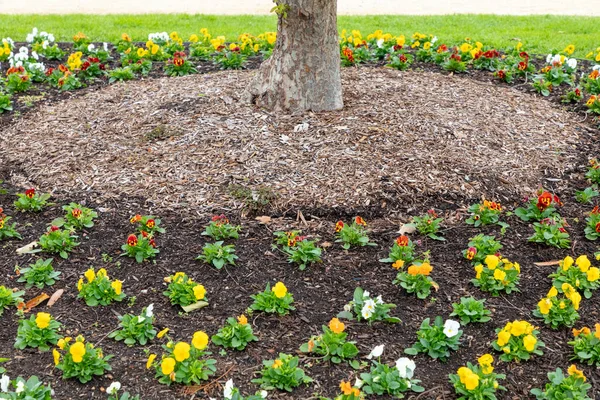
[524,54]
[102,67]
[557,200]
[54,228]
[501,74]
[62,68]
[577,92]
[30,193]
[397,47]
[598,227]
[544,201]
[178,61]
[136,218]
[144,234]
[349,55]
[522,65]
[152,243]
[443,48]
[455,57]
[132,240]
[85,65]
[50,71]
[339,226]
[563,230]
[359,221]
[596,210]
[93,59]
[76,213]
[432,213]
[150,223]
[471,252]
[402,58]
[402,240]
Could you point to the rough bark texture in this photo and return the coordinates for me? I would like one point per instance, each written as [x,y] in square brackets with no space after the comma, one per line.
[304,71]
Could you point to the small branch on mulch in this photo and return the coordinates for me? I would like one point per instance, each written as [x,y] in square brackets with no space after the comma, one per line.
[209,386]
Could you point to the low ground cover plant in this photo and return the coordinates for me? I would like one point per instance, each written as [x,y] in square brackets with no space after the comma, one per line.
[185,292]
[437,340]
[282,373]
[332,344]
[39,274]
[364,307]
[472,382]
[80,359]
[98,289]
[236,334]
[497,275]
[39,331]
[471,310]
[31,200]
[275,300]
[136,329]
[518,341]
[352,235]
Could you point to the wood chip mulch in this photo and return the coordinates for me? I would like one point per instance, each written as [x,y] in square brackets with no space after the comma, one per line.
[184,143]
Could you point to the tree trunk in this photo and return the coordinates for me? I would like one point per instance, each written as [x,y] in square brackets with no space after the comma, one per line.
[304,71]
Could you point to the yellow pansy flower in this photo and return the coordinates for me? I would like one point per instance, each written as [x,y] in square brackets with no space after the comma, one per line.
[90,275]
[280,290]
[479,270]
[167,365]
[593,274]
[471,381]
[574,371]
[567,262]
[42,320]
[242,320]
[583,263]
[151,359]
[529,342]
[162,333]
[277,363]
[465,47]
[77,351]
[117,286]
[200,340]
[553,292]
[499,275]
[400,40]
[427,45]
[181,351]
[56,356]
[545,305]
[492,261]
[199,292]
[569,49]
[503,338]
[80,284]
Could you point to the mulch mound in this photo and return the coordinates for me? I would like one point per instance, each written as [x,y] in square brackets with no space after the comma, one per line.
[189,143]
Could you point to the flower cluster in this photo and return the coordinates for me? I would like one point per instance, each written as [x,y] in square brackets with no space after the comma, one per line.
[559,310]
[282,373]
[518,341]
[185,292]
[364,307]
[578,274]
[437,340]
[486,213]
[480,247]
[402,252]
[80,359]
[276,300]
[383,379]
[39,331]
[332,344]
[473,382]
[586,345]
[416,279]
[7,230]
[236,334]
[572,386]
[353,234]
[497,275]
[99,289]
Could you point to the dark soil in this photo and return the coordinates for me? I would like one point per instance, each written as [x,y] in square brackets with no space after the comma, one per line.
[320,293]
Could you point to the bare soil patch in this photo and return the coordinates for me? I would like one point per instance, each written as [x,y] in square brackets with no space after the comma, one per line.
[190,143]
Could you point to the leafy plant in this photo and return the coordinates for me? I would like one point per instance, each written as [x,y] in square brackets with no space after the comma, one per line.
[77,217]
[592,224]
[39,331]
[518,341]
[31,201]
[557,311]
[39,274]
[497,275]
[141,247]
[184,363]
[364,307]
[98,289]
[228,59]
[400,61]
[5,102]
[179,65]
[551,232]
[383,379]
[593,173]
[220,228]
[480,247]
[236,334]
[438,339]
[428,225]
[303,252]
[416,279]
[352,234]
[477,382]
[8,230]
[332,344]
[273,301]
[282,373]
[471,310]
[573,386]
[136,328]
[218,254]
[148,224]
[58,241]
[183,291]
[121,74]
[402,252]
[230,392]
[80,359]
[32,388]
[577,273]
[586,345]
[486,213]
[539,208]
[586,195]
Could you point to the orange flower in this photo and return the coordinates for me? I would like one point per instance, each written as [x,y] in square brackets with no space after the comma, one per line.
[339,226]
[136,218]
[336,325]
[595,73]
[242,319]
[359,221]
[76,213]
[402,240]
[311,345]
[398,264]
[426,268]
[544,201]
[585,331]
[414,270]
[346,388]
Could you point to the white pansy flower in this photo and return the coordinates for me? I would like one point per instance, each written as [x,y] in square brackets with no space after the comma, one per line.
[50,38]
[366,293]
[20,387]
[406,367]
[572,63]
[379,300]
[150,311]
[368,309]
[113,388]
[91,47]
[264,394]
[347,307]
[4,382]
[451,328]
[228,390]
[376,352]
[105,46]
[23,50]
[435,39]
[596,67]
[35,55]
[358,383]
[380,43]
[141,319]
[45,44]
[557,59]
[548,58]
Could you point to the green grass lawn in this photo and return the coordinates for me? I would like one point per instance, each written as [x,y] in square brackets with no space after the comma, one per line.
[539,33]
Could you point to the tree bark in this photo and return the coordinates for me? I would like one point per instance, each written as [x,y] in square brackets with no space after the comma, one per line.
[304,71]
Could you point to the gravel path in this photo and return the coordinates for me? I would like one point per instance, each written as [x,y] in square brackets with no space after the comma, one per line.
[356,7]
